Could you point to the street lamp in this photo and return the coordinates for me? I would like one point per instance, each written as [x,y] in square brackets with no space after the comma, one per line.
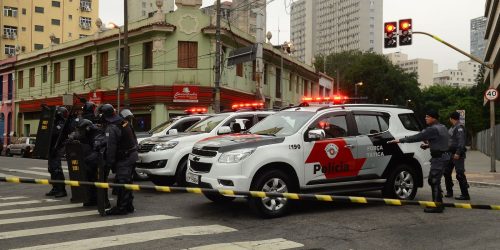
[356,91]
[112,25]
[386,100]
[408,102]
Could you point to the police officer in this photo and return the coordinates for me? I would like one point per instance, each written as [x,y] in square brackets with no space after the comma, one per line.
[457,151]
[436,136]
[88,111]
[54,159]
[121,154]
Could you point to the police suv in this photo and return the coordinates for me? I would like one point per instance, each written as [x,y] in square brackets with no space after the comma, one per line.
[164,158]
[329,149]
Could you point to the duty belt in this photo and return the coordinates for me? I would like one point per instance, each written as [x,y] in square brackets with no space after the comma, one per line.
[438,154]
[127,152]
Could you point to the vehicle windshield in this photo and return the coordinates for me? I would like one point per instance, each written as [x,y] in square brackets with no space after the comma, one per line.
[161,127]
[208,124]
[282,124]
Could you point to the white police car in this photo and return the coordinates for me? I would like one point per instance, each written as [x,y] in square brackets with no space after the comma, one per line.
[164,158]
[332,149]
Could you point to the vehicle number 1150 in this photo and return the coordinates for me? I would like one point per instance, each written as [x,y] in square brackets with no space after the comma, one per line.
[294,146]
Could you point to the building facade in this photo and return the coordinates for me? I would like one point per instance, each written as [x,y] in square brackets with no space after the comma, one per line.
[331,26]
[171,63]
[492,51]
[477,33]
[225,11]
[7,93]
[464,76]
[30,25]
[424,68]
[243,16]
[142,9]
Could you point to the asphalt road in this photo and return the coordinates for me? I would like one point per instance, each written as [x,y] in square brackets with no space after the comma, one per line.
[180,221]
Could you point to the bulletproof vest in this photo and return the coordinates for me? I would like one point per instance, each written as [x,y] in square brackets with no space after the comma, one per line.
[441,142]
[127,139]
[99,141]
[454,140]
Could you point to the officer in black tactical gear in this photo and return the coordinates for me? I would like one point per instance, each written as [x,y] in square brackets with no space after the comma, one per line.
[88,111]
[436,136]
[54,159]
[457,151]
[121,154]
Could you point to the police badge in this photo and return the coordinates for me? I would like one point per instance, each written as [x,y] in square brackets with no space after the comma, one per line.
[331,150]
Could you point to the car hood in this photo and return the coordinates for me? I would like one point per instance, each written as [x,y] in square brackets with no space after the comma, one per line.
[166,138]
[226,143]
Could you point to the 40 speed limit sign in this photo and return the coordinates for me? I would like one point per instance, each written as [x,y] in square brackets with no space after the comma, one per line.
[491,94]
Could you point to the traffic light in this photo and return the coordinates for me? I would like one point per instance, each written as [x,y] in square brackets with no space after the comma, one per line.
[405,27]
[390,38]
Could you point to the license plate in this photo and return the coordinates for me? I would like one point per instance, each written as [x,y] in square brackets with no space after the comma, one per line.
[192,178]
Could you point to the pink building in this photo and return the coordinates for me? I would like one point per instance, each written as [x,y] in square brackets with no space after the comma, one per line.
[7,74]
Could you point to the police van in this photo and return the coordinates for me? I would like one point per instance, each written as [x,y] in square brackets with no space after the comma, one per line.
[164,158]
[314,149]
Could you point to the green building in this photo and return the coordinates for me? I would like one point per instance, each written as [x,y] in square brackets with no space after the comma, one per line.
[172,58]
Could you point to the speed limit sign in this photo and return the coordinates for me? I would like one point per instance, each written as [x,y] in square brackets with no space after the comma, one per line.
[491,94]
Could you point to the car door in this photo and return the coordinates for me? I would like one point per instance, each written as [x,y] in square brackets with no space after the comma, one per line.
[332,158]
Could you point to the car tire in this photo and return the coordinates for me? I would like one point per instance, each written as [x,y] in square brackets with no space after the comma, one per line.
[180,174]
[161,180]
[401,184]
[7,153]
[271,181]
[219,198]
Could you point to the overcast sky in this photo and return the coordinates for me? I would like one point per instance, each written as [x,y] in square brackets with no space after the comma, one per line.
[448,19]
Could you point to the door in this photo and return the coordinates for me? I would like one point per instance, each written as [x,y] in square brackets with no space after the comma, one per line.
[332,158]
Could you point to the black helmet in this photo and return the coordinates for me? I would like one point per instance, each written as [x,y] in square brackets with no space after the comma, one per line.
[88,107]
[85,124]
[107,110]
[62,112]
[126,113]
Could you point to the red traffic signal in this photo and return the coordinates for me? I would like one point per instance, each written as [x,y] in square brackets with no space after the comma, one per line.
[390,37]
[405,38]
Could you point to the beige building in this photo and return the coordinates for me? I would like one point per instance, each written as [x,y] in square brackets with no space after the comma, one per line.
[28,25]
[330,26]
[425,68]
[492,52]
[243,15]
[142,9]
[464,76]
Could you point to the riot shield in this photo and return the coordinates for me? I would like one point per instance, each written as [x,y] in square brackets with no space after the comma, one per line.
[44,133]
[102,193]
[77,171]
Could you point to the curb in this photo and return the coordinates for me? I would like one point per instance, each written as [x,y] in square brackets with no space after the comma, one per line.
[481,184]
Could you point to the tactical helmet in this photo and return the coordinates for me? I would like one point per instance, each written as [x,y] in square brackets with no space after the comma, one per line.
[85,124]
[88,107]
[62,112]
[107,110]
[126,113]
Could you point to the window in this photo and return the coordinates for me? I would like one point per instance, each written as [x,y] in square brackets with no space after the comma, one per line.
[410,122]
[87,66]
[371,124]
[86,5]
[9,32]
[187,55]
[23,28]
[44,73]
[56,4]
[57,72]
[10,11]
[335,126]
[56,22]
[23,11]
[70,17]
[57,40]
[39,28]
[278,83]
[104,63]
[32,77]
[254,71]
[239,69]
[265,74]
[10,50]
[71,70]
[20,79]
[85,23]
[39,9]
[147,52]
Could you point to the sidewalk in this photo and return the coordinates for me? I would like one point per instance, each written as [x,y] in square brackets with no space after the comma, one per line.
[477,170]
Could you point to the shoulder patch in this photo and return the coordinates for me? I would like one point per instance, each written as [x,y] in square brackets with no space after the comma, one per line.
[460,130]
[107,134]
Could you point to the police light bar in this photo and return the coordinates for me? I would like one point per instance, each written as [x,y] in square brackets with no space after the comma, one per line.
[325,100]
[196,111]
[254,105]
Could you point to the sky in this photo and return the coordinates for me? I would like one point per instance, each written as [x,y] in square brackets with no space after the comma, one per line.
[447,19]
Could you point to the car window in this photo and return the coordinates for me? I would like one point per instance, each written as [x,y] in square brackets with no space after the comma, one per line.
[208,124]
[334,126]
[284,123]
[32,141]
[371,124]
[410,122]
[384,122]
[240,123]
[182,126]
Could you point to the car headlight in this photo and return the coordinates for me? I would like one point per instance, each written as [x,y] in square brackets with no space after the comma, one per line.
[236,155]
[164,146]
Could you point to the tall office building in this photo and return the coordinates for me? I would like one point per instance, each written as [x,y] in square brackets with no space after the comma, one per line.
[142,9]
[330,26]
[477,32]
[243,17]
[424,68]
[35,24]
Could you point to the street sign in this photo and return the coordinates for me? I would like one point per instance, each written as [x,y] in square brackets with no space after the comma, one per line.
[241,55]
[462,116]
[491,94]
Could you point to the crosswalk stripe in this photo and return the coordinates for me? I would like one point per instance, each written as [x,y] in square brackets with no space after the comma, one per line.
[45,169]
[13,198]
[36,209]
[47,217]
[272,244]
[124,239]
[82,226]
[26,202]
[25,171]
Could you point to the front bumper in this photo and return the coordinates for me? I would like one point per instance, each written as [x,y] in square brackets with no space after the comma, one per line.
[157,163]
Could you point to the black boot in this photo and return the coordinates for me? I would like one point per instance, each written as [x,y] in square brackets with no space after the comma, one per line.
[464,188]
[437,196]
[61,192]
[449,194]
[52,192]
[122,203]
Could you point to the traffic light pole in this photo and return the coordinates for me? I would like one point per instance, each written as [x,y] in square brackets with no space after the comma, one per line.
[492,103]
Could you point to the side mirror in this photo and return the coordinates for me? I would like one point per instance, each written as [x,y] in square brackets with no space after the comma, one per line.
[172,132]
[315,135]
[224,130]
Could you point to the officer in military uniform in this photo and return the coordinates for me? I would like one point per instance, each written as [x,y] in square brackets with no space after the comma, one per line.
[121,155]
[54,159]
[457,151]
[436,136]
[88,111]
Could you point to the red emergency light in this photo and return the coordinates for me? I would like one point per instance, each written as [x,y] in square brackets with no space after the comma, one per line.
[196,111]
[334,99]
[254,105]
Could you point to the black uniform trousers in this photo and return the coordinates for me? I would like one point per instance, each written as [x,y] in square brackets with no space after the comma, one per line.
[459,166]
[55,169]
[124,175]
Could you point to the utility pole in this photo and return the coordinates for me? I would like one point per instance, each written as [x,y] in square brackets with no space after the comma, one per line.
[217,60]
[259,57]
[126,63]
